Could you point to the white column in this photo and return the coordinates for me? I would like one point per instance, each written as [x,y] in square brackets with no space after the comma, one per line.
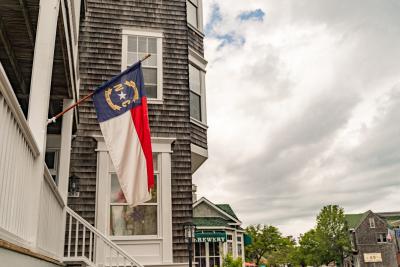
[65,151]
[42,69]
[102,195]
[166,207]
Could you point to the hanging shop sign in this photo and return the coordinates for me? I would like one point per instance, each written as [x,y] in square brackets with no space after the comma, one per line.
[372,257]
[210,237]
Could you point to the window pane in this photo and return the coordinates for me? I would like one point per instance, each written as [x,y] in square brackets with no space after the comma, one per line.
[214,261]
[152,45]
[239,249]
[230,248]
[139,220]
[150,75]
[116,196]
[50,159]
[194,79]
[132,58]
[195,106]
[152,61]
[151,91]
[202,262]
[213,249]
[155,162]
[132,43]
[142,44]
[192,14]
[154,191]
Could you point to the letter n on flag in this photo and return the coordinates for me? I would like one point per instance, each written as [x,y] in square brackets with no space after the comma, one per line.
[121,108]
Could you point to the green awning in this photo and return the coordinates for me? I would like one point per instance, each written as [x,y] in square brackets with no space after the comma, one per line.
[210,236]
[247,240]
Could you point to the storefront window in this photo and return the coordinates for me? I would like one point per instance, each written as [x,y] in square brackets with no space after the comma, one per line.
[200,254]
[138,220]
[229,244]
[213,250]
[207,254]
[239,246]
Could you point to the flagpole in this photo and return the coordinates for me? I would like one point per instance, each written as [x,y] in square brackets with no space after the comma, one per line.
[83,99]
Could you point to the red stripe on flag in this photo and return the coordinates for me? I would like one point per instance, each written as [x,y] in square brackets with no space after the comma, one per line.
[141,121]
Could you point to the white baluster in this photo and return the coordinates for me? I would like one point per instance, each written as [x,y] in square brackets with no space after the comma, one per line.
[69,235]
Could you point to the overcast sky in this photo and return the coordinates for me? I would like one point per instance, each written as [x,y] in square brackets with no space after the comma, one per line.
[303,106]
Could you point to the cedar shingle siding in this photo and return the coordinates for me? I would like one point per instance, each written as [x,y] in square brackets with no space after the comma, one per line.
[100,58]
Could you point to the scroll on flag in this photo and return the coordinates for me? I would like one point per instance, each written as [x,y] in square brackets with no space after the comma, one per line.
[121,107]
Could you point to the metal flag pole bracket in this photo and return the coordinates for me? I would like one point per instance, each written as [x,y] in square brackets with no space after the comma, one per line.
[53,119]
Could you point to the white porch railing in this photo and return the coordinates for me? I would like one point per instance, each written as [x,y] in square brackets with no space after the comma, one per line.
[20,198]
[18,151]
[51,217]
[85,243]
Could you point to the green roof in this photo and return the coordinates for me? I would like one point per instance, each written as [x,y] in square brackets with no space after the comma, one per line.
[353,220]
[210,221]
[227,208]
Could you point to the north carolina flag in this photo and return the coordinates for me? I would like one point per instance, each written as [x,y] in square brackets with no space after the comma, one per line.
[121,108]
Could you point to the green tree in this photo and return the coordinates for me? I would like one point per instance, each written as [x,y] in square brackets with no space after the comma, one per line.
[332,235]
[309,250]
[228,261]
[265,240]
[284,253]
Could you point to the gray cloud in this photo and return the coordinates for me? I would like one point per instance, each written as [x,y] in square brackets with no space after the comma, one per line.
[315,120]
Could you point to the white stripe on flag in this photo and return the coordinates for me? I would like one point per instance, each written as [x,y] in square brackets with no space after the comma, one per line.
[127,156]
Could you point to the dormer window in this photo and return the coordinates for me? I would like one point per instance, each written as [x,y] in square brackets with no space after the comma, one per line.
[371,223]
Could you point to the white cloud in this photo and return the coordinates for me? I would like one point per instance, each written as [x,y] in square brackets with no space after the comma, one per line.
[303,112]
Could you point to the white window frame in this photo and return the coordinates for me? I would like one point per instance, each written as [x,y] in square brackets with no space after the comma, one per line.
[381,237]
[163,240]
[159,190]
[239,243]
[207,255]
[199,29]
[230,242]
[200,63]
[371,222]
[124,58]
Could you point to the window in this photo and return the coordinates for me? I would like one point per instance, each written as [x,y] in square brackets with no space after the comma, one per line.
[197,87]
[135,45]
[195,92]
[214,254]
[138,220]
[192,13]
[371,223]
[381,238]
[200,254]
[51,159]
[229,244]
[207,254]
[195,15]
[239,246]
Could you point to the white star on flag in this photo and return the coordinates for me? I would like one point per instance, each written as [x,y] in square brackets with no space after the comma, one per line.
[122,95]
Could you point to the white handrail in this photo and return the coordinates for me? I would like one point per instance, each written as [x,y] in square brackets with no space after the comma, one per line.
[12,101]
[127,259]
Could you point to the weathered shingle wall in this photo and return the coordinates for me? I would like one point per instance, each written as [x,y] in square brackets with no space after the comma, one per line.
[196,41]
[367,242]
[198,135]
[100,59]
